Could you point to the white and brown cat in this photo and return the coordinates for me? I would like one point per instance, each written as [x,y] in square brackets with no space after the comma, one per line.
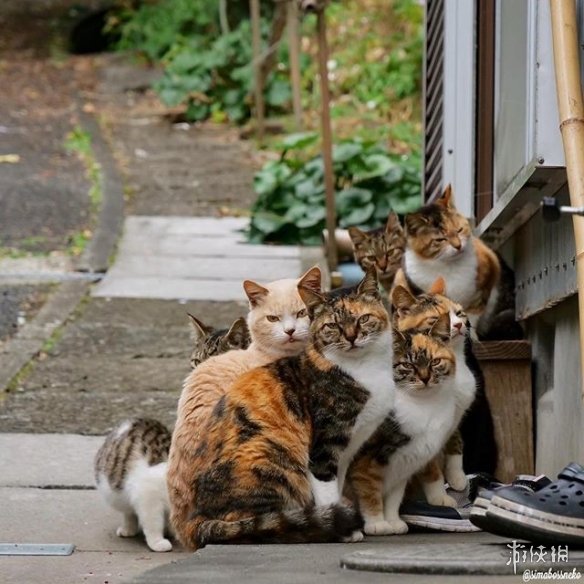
[130,474]
[279,327]
[440,243]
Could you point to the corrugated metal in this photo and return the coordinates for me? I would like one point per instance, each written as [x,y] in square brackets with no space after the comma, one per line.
[434,98]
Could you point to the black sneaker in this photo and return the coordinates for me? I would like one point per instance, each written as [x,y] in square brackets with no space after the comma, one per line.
[422,515]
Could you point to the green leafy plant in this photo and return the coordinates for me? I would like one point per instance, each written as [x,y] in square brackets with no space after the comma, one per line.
[214,78]
[370,182]
[154,29]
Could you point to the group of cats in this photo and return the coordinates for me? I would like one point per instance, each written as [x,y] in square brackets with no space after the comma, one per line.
[297,425]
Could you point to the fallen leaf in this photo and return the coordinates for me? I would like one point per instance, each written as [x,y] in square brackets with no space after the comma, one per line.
[9,158]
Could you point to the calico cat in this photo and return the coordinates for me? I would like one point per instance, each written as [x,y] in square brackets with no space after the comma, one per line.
[382,248]
[424,416]
[440,243]
[419,313]
[130,474]
[278,444]
[210,341]
[278,324]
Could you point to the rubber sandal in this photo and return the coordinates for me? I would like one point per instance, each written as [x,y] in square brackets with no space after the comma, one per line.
[478,513]
[552,515]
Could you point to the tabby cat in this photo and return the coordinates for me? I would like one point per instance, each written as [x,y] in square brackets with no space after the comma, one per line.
[382,248]
[276,449]
[425,414]
[210,341]
[440,243]
[419,313]
[130,474]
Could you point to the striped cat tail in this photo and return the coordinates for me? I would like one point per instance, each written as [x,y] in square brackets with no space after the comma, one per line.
[310,525]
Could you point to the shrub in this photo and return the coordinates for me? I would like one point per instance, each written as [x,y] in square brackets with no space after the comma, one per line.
[290,207]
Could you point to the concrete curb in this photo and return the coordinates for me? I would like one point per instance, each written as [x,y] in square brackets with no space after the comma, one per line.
[96,256]
[27,343]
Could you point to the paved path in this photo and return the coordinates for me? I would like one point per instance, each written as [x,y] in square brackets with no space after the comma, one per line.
[192,258]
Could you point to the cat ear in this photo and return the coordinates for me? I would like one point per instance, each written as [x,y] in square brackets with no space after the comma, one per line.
[401,280]
[255,292]
[238,333]
[438,287]
[198,330]
[310,297]
[357,236]
[398,338]
[402,299]
[393,223]
[446,199]
[415,221]
[369,284]
[311,280]
[441,328]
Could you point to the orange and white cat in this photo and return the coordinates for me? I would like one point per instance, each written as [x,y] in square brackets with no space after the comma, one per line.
[278,325]
[440,244]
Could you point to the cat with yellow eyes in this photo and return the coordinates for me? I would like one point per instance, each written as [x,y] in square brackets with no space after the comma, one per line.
[440,243]
[278,325]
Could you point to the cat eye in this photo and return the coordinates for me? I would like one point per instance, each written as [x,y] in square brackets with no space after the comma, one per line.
[460,230]
[273,318]
[301,313]
[439,239]
[330,325]
[364,318]
[460,314]
[436,362]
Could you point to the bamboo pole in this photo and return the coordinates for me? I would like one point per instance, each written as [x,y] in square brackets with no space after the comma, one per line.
[327,141]
[294,51]
[260,109]
[571,109]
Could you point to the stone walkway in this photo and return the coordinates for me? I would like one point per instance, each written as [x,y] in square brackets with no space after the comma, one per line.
[198,258]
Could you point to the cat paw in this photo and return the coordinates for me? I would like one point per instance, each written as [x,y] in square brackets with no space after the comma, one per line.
[457,480]
[396,527]
[355,537]
[379,527]
[125,531]
[160,545]
[442,500]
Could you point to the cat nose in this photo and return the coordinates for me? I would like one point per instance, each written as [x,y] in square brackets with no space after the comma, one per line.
[424,378]
[456,243]
[290,331]
[351,335]
[458,325]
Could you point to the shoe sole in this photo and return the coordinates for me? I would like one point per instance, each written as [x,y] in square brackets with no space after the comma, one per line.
[440,524]
[519,521]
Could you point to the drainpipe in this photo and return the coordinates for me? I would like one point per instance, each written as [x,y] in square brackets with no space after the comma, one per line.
[571,109]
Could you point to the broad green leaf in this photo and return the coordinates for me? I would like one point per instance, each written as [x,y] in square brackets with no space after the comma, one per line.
[346,150]
[352,198]
[267,222]
[316,215]
[358,216]
[378,165]
[299,141]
